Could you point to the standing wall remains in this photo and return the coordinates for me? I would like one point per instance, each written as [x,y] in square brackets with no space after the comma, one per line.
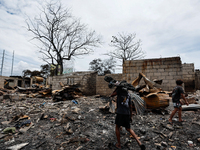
[197,79]
[167,69]
[102,86]
[85,80]
[2,79]
[188,76]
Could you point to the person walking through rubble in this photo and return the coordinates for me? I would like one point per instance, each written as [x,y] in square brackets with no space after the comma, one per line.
[124,115]
[177,93]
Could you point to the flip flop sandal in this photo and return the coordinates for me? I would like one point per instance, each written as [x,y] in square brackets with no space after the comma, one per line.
[183,121]
[142,147]
[114,144]
[170,122]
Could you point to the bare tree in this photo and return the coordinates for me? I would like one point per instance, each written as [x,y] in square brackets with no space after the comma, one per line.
[61,35]
[126,48]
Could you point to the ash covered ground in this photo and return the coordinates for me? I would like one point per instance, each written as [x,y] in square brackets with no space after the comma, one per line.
[68,125]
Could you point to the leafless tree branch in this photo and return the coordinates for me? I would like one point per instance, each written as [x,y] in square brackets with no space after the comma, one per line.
[61,35]
[125,47]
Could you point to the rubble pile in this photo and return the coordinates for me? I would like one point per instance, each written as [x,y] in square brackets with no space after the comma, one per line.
[23,93]
[68,92]
[3,91]
[38,118]
[79,124]
[154,97]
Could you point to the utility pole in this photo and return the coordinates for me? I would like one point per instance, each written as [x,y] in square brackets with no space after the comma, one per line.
[2,62]
[12,64]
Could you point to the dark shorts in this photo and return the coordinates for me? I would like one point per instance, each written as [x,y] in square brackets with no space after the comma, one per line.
[123,120]
[177,105]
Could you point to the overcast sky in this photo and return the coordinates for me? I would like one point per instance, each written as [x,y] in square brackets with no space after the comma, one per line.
[167,28]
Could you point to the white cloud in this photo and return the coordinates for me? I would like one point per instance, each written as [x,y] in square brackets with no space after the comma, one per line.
[166,28]
[21,65]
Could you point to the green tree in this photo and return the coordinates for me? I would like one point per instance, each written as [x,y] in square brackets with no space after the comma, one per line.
[109,65]
[103,67]
[45,70]
[26,73]
[29,73]
[96,65]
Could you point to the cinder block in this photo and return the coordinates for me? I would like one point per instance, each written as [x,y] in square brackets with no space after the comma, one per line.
[160,70]
[169,77]
[178,77]
[172,73]
[157,74]
[165,74]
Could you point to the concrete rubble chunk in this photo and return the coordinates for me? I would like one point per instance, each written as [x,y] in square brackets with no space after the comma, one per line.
[75,110]
[191,107]
[164,144]
[25,129]
[170,135]
[18,146]
[10,141]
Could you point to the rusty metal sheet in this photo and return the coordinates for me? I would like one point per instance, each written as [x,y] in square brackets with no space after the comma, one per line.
[146,80]
[157,100]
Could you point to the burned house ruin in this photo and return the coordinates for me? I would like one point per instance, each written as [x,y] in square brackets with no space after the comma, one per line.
[166,69]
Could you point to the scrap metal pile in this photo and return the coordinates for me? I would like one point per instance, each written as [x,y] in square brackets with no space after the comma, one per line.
[68,92]
[154,97]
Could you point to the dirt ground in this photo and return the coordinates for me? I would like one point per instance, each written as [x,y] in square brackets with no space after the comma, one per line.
[68,125]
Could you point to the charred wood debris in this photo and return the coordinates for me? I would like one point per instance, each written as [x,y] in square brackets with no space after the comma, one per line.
[39,118]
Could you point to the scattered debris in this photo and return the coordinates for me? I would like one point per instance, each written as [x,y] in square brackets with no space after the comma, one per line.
[66,125]
[39,118]
[18,146]
[9,130]
[68,92]
[155,98]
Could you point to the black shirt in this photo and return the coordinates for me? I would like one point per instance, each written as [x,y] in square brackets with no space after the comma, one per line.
[123,101]
[176,94]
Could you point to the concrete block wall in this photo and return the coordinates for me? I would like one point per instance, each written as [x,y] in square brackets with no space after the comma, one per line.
[188,76]
[87,81]
[168,69]
[12,84]
[197,79]
[102,86]
[2,78]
